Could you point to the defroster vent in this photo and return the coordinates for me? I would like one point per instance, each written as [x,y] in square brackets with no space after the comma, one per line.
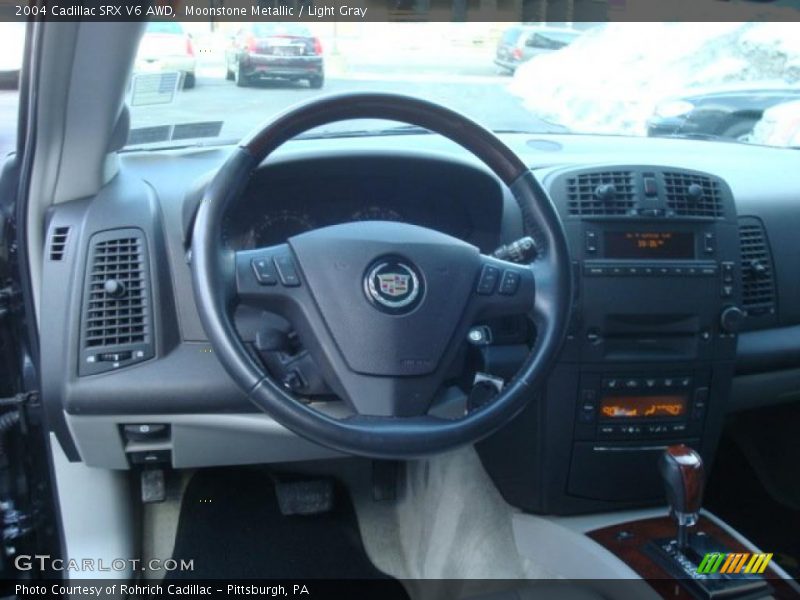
[601,193]
[58,243]
[117,313]
[758,278]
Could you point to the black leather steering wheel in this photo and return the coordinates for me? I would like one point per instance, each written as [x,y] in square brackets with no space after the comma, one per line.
[382,307]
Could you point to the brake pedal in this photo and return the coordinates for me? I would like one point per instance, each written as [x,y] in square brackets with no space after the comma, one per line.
[154,488]
[308,497]
[385,478]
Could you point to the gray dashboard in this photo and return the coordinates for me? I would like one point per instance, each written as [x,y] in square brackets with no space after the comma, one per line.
[183,380]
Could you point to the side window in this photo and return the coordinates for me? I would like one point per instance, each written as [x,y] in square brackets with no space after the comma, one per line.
[12,47]
[548,42]
[538,41]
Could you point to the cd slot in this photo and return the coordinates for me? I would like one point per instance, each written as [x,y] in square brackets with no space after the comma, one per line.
[649,346]
[650,325]
[627,337]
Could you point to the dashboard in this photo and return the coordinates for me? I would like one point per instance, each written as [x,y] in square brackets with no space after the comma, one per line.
[652,355]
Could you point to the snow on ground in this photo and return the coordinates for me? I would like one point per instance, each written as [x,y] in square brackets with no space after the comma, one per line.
[610,80]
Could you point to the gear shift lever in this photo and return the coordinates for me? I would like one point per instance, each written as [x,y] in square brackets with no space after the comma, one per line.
[684,478]
[681,468]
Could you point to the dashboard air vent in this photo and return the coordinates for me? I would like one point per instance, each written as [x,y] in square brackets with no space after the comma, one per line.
[601,193]
[58,243]
[691,195]
[117,299]
[758,282]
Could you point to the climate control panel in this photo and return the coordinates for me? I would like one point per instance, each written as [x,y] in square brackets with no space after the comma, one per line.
[641,406]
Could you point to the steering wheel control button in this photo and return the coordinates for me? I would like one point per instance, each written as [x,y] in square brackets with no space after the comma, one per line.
[509,284]
[488,280]
[393,285]
[286,270]
[265,273]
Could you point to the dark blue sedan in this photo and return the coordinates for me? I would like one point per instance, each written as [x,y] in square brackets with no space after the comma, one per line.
[724,111]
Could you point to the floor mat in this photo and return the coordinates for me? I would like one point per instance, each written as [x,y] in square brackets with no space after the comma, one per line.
[736,495]
[230,525]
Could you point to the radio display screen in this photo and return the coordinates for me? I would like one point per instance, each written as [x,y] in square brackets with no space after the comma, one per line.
[649,244]
[643,407]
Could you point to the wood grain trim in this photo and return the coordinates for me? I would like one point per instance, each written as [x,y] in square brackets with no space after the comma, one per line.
[627,540]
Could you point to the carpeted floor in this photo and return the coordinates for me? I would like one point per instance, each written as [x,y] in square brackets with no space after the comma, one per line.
[230,525]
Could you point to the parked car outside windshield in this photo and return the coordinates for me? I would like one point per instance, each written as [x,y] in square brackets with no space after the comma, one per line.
[580,78]
[520,44]
[274,51]
[166,47]
[725,111]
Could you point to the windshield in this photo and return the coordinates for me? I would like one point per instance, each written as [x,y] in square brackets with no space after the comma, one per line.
[167,27]
[211,83]
[278,29]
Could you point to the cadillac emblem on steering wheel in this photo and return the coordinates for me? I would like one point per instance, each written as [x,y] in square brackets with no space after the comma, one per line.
[393,285]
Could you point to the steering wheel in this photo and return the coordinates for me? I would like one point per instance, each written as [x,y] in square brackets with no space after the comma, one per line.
[382,307]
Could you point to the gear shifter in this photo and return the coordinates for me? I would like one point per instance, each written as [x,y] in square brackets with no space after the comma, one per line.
[684,478]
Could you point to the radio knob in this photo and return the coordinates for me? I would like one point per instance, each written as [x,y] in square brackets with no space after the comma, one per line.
[731,319]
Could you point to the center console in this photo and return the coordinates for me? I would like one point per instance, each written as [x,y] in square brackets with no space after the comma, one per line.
[686,553]
[692,557]
[648,360]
